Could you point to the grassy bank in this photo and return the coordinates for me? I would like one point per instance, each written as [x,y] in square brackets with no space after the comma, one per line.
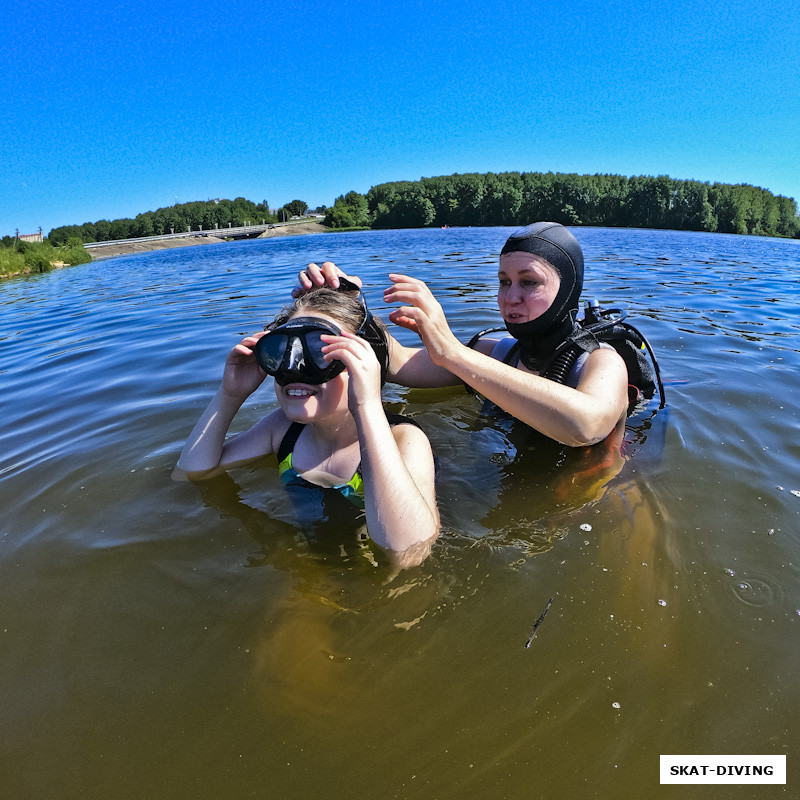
[26,258]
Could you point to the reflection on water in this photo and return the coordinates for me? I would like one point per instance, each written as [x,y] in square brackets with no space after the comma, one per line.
[163,639]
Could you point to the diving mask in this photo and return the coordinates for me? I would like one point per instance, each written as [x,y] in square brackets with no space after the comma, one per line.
[292,352]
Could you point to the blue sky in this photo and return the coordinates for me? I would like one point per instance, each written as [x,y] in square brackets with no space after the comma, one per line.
[111,109]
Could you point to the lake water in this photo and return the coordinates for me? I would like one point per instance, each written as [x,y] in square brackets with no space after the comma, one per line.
[165,640]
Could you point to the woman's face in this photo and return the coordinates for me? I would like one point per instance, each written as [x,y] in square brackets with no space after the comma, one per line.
[305,402]
[528,287]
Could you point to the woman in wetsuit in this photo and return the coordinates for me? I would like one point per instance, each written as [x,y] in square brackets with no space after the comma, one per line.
[331,429]
[540,281]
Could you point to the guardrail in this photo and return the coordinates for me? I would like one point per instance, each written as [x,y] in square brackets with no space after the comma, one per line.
[222,233]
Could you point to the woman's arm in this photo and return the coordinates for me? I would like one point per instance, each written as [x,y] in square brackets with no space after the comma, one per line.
[576,417]
[206,452]
[581,416]
[412,367]
[396,464]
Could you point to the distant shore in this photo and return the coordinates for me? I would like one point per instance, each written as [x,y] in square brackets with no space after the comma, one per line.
[122,249]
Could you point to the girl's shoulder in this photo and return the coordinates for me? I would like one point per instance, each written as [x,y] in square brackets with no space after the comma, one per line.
[407,432]
[267,434]
[604,354]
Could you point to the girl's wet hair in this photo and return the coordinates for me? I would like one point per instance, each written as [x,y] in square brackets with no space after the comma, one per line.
[348,311]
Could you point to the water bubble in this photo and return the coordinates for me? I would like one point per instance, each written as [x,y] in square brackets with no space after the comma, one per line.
[755,592]
[586,526]
[615,705]
[730,572]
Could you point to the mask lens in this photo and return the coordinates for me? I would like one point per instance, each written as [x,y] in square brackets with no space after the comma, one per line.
[270,350]
[293,352]
[314,345]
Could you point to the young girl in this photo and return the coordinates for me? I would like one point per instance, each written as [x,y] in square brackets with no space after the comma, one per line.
[331,430]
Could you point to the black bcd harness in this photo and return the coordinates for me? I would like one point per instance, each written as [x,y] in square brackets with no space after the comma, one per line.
[607,326]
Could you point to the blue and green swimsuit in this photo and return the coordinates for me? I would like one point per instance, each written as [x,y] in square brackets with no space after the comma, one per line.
[352,490]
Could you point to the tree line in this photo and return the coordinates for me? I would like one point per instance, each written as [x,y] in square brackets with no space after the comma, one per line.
[514,198]
[508,198]
[202,214]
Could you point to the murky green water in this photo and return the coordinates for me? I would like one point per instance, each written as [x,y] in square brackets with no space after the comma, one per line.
[164,640]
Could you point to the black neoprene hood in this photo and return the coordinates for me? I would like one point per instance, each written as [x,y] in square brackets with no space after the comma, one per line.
[556,245]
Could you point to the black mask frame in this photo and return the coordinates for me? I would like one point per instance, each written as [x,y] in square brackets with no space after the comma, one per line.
[290,356]
[292,352]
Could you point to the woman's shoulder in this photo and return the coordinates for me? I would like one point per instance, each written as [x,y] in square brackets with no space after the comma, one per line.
[496,347]
[603,361]
[414,446]
[605,354]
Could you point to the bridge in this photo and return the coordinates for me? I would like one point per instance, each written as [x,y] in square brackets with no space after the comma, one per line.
[243,232]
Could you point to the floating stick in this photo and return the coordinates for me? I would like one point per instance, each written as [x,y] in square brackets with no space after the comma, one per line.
[538,623]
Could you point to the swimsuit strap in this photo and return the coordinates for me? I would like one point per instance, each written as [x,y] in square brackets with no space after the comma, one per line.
[400,419]
[289,440]
[286,447]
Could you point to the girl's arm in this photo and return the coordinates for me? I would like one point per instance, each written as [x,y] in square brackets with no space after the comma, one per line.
[581,416]
[398,473]
[396,463]
[206,452]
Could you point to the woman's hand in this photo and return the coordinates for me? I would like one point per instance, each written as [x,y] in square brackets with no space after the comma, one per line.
[314,276]
[363,369]
[242,375]
[421,313]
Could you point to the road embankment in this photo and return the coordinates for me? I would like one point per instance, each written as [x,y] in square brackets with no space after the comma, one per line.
[124,249]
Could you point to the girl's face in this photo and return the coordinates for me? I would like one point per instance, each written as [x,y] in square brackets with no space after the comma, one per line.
[528,287]
[305,402]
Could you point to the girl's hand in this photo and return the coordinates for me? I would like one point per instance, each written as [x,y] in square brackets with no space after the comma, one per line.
[421,313]
[242,375]
[315,276]
[363,369]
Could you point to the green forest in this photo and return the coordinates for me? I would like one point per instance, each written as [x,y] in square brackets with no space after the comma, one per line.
[514,198]
[508,198]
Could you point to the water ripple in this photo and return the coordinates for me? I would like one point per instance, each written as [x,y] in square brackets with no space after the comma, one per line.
[758,592]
